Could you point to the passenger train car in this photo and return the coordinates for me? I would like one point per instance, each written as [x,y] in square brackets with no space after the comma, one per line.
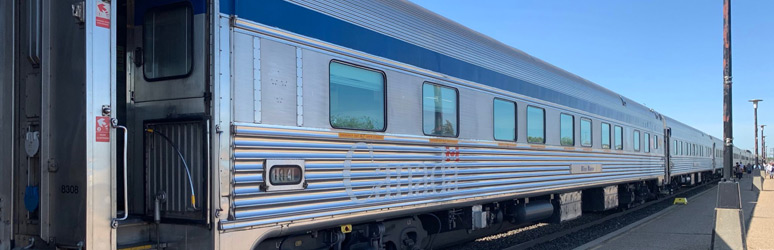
[301,124]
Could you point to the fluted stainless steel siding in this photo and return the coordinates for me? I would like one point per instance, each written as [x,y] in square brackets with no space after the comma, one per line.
[440,172]
[165,171]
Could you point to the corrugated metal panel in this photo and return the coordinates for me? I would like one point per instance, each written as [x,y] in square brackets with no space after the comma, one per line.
[165,171]
[344,175]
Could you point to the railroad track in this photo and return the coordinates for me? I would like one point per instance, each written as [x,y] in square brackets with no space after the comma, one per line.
[593,226]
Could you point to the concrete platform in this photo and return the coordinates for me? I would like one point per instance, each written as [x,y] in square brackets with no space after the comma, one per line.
[690,226]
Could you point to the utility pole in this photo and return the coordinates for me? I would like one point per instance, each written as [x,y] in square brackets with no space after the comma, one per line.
[729,230]
[755,109]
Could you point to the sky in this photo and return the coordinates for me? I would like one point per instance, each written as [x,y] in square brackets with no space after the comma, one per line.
[665,54]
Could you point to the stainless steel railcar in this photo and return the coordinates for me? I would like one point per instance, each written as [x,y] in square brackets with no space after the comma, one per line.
[193,124]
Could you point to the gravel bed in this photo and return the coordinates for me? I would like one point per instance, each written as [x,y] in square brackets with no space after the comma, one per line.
[524,234]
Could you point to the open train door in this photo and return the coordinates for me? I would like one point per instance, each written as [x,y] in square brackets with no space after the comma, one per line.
[57,145]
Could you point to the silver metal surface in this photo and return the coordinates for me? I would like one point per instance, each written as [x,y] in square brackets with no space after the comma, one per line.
[278,78]
[244,79]
[299,87]
[404,170]
[257,79]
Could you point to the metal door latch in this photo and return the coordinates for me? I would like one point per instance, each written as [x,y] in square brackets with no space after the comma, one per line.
[78,11]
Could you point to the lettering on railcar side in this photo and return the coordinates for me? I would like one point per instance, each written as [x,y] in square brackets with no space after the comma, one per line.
[399,181]
[585,168]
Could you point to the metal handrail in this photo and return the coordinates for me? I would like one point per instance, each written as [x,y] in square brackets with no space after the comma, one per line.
[114,222]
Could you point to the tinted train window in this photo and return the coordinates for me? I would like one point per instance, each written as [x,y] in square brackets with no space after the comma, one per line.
[536,125]
[356,98]
[655,141]
[585,132]
[504,120]
[567,130]
[636,140]
[439,110]
[676,148]
[168,42]
[618,137]
[647,142]
[605,135]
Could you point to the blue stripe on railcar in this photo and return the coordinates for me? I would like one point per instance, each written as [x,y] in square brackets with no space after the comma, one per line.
[303,21]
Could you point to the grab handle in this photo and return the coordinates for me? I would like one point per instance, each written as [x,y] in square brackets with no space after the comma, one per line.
[114,222]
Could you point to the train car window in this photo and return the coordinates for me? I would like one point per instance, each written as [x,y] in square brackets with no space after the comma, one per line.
[655,141]
[439,110]
[636,140]
[357,97]
[677,150]
[168,42]
[605,133]
[647,142]
[504,120]
[618,137]
[536,125]
[585,132]
[567,130]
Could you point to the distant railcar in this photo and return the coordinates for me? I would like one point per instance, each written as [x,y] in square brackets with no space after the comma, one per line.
[224,124]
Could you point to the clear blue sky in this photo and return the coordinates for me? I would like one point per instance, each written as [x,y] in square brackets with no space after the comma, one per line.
[665,54]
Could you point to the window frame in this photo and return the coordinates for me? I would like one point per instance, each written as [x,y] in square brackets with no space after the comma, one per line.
[184,4]
[622,137]
[636,140]
[647,142]
[572,117]
[515,119]
[609,136]
[526,129]
[384,83]
[591,132]
[422,103]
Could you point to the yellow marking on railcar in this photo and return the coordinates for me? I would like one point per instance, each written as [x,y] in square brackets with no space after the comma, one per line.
[361,136]
[588,149]
[143,247]
[507,144]
[442,141]
[346,228]
[569,148]
[537,146]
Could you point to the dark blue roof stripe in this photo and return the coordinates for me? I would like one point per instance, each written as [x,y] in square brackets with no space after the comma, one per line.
[303,21]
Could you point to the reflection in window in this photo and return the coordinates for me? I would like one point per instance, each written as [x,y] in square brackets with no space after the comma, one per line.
[605,135]
[566,127]
[536,129]
[585,132]
[167,42]
[647,142]
[439,110]
[504,120]
[618,137]
[356,98]
[636,140]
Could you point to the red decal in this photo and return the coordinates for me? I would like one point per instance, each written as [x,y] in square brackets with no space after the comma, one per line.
[102,129]
[103,15]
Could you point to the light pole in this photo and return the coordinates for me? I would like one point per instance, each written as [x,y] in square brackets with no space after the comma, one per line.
[755,108]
